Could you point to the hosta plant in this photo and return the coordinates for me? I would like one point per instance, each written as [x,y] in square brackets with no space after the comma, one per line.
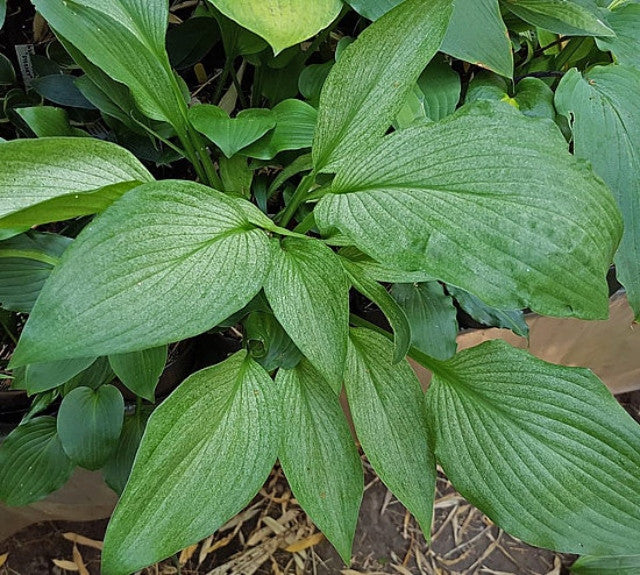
[487,153]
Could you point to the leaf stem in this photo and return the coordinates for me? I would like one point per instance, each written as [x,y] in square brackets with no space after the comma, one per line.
[298,198]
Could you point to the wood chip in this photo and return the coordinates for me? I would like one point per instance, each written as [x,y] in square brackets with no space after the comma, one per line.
[187,554]
[66,565]
[305,543]
[82,540]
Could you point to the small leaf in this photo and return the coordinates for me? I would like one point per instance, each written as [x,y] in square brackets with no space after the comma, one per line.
[373,9]
[487,315]
[231,135]
[357,105]
[625,45]
[39,377]
[34,171]
[206,452]
[32,462]
[309,294]
[560,17]
[386,273]
[604,104]
[89,424]
[140,370]
[269,343]
[295,125]
[168,261]
[607,565]
[544,450]
[117,469]
[47,121]
[387,407]
[431,315]
[318,455]
[441,87]
[368,287]
[283,23]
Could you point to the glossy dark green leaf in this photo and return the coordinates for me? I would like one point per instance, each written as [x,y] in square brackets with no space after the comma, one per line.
[80,175]
[309,293]
[487,315]
[603,105]
[168,261]
[140,370]
[357,104]
[231,134]
[387,407]
[97,374]
[544,450]
[478,35]
[364,282]
[117,470]
[7,73]
[431,315]
[284,23]
[607,565]
[127,41]
[625,45]
[206,452]
[268,342]
[490,201]
[39,377]
[191,41]
[27,261]
[560,16]
[61,90]
[32,462]
[89,424]
[318,455]
[295,125]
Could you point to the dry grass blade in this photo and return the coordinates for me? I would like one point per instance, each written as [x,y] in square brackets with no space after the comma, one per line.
[3,558]
[187,554]
[82,540]
[66,565]
[305,543]
[79,561]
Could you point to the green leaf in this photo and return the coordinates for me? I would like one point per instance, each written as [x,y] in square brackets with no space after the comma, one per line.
[477,34]
[295,125]
[309,294]
[432,317]
[607,565]
[368,86]
[89,424]
[7,73]
[166,262]
[140,370]
[97,374]
[441,87]
[603,106]
[625,45]
[117,470]
[544,450]
[489,201]
[560,17]
[47,121]
[76,176]
[387,407]
[126,39]
[283,23]
[206,452]
[231,135]
[318,455]
[363,281]
[39,377]
[3,12]
[236,175]
[386,273]
[269,343]
[27,261]
[32,462]
[487,315]
[373,9]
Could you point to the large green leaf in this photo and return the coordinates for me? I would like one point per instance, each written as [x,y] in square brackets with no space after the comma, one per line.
[478,35]
[27,261]
[309,293]
[625,45]
[168,261]
[544,450]
[49,179]
[431,315]
[32,462]
[603,106]
[367,87]
[364,282]
[318,455]
[283,23]
[206,452]
[89,424]
[126,39]
[388,412]
[560,16]
[607,565]
[489,201]
[140,370]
